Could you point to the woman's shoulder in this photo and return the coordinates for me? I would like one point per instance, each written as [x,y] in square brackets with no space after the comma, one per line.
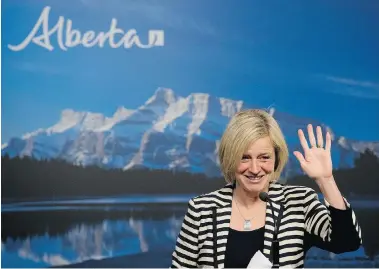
[292,191]
[216,198]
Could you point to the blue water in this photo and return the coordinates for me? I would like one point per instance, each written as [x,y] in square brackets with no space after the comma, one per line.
[138,199]
[89,203]
[86,242]
[58,233]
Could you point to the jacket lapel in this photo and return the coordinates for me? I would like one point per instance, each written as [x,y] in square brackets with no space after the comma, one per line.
[223,210]
[276,195]
[223,213]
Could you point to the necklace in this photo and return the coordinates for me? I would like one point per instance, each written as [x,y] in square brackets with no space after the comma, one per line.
[247,222]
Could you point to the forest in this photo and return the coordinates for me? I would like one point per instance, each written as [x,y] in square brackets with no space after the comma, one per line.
[30,179]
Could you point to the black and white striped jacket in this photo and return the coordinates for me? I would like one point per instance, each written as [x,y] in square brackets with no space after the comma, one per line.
[305,222]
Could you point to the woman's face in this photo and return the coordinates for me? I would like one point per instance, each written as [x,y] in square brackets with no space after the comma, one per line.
[256,166]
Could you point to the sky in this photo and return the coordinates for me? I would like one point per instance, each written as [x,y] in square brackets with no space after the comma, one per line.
[314,59]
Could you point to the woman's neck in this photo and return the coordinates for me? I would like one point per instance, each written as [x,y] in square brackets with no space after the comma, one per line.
[245,198]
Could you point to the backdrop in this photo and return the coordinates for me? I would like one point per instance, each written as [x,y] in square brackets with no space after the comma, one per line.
[112,112]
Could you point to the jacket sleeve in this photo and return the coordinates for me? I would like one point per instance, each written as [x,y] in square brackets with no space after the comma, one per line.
[186,249]
[329,228]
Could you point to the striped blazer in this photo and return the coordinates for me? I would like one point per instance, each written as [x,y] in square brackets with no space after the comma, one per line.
[304,222]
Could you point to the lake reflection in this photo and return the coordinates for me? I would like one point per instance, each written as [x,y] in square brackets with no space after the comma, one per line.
[137,234]
[51,238]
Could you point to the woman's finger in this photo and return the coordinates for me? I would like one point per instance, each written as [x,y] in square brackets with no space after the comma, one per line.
[311,136]
[320,139]
[303,141]
[328,143]
[299,157]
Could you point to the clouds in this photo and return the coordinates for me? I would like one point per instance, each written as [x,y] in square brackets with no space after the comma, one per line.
[352,82]
[353,87]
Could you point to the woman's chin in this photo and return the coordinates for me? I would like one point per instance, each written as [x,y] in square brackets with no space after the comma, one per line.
[254,185]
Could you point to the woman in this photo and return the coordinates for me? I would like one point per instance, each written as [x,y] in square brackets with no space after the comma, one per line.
[225,228]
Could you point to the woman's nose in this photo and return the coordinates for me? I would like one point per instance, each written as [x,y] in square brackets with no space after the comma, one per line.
[254,167]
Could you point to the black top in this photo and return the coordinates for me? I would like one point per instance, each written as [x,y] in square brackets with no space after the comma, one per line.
[241,247]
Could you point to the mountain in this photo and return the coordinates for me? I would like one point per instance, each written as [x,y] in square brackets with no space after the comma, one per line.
[166,132]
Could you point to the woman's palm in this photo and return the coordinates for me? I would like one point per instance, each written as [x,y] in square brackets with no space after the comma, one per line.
[316,161]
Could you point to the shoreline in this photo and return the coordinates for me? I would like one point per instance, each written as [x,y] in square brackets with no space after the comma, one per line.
[139,201]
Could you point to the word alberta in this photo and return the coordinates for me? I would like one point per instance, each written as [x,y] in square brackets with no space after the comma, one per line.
[72,37]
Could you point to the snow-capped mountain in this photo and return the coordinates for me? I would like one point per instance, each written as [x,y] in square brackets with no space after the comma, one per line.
[167,132]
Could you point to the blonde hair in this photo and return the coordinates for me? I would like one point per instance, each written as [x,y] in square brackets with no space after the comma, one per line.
[246,127]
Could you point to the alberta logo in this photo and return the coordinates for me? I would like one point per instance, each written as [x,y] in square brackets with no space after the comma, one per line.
[67,37]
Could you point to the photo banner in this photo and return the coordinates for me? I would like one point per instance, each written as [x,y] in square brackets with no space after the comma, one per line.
[113,111]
